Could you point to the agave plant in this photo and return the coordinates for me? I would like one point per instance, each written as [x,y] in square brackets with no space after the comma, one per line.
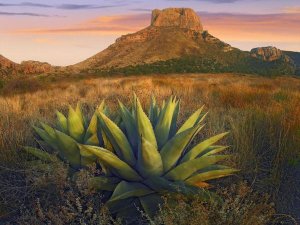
[147,155]
[72,130]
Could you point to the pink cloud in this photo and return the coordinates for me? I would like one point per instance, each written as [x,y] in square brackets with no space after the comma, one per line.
[233,27]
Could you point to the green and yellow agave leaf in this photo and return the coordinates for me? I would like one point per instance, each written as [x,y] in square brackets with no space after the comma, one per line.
[160,184]
[46,137]
[214,149]
[118,140]
[151,203]
[62,122]
[75,125]
[40,154]
[114,164]
[103,183]
[50,131]
[130,125]
[149,160]
[144,125]
[153,111]
[199,148]
[174,120]
[68,149]
[86,158]
[106,143]
[174,148]
[209,175]
[186,169]
[78,111]
[126,190]
[191,121]
[92,129]
[163,126]
[93,140]
[102,107]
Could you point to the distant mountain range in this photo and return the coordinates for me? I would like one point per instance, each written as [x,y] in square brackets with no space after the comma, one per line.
[174,42]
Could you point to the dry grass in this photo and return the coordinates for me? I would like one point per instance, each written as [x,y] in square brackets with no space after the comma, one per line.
[263,115]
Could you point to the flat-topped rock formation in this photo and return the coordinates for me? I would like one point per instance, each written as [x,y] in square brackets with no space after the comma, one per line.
[176,17]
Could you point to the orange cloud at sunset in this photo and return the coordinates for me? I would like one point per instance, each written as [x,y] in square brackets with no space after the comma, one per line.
[112,25]
[233,27]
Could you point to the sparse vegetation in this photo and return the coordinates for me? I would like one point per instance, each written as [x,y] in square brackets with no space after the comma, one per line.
[226,62]
[263,115]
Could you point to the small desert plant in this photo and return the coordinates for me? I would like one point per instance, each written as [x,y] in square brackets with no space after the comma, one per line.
[241,205]
[142,157]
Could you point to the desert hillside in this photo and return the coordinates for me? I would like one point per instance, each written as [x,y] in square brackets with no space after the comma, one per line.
[175,42]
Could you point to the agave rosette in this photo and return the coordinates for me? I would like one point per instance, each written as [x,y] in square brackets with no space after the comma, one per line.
[71,130]
[144,156]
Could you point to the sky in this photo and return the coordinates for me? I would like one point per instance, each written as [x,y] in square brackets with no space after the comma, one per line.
[65,32]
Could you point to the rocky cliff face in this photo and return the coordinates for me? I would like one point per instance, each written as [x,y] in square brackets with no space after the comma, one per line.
[7,67]
[176,17]
[269,54]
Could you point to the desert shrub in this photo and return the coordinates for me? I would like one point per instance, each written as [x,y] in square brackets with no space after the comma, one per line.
[1,83]
[241,206]
[18,85]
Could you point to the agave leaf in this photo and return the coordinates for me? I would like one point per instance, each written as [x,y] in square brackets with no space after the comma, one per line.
[87,158]
[160,184]
[175,147]
[106,143]
[50,131]
[151,204]
[213,174]
[102,183]
[68,149]
[153,111]
[128,190]
[163,126]
[118,139]
[199,148]
[114,164]
[93,140]
[149,160]
[40,154]
[46,137]
[102,107]
[62,122]
[92,128]
[78,111]
[191,121]
[144,125]
[130,125]
[174,120]
[186,169]
[214,149]
[75,125]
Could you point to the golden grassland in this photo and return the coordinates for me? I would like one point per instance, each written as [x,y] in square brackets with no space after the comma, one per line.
[262,115]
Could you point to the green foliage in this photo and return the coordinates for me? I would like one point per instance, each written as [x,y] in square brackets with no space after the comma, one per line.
[214,62]
[142,156]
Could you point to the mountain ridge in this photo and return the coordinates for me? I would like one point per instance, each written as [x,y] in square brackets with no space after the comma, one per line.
[174,35]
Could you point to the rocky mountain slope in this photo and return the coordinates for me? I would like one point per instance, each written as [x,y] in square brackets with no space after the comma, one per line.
[175,41]
[176,37]
[173,33]
[7,67]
